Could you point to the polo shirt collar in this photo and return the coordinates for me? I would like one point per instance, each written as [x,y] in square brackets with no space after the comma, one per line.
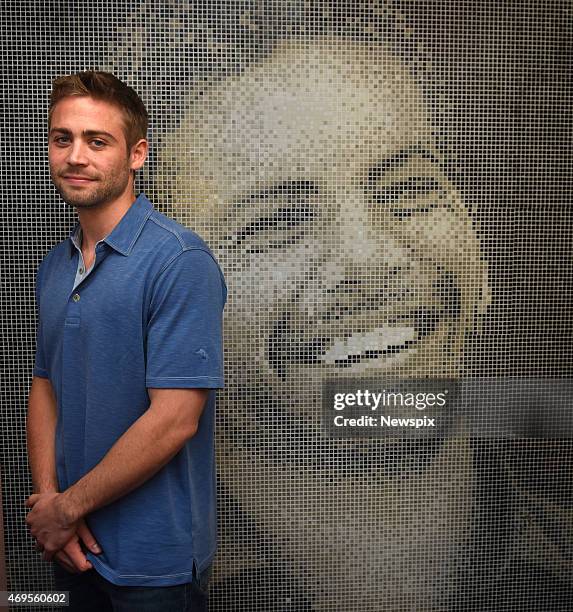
[125,234]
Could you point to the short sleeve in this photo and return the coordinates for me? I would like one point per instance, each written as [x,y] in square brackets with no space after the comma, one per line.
[40,366]
[184,336]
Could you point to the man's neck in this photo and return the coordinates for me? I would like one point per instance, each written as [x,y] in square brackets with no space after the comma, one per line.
[98,222]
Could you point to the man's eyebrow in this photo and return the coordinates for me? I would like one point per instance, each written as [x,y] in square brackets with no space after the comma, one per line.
[303,188]
[401,159]
[85,133]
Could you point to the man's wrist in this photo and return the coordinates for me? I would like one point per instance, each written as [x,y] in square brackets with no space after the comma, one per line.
[45,485]
[46,489]
[69,508]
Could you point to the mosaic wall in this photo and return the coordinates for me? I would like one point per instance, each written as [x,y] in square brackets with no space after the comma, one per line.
[386,187]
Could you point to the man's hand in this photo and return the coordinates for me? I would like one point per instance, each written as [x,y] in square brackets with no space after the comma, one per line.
[72,557]
[137,455]
[50,522]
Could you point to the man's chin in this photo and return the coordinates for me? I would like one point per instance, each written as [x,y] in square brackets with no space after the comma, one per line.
[80,201]
[84,205]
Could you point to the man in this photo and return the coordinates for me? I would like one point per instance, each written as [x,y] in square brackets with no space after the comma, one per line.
[129,350]
[352,254]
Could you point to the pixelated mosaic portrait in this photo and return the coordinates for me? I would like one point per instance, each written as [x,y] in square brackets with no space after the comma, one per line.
[353,174]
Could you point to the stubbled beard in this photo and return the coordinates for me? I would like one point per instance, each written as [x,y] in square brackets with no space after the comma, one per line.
[106,191]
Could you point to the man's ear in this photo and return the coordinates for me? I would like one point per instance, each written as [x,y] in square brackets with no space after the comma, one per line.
[138,154]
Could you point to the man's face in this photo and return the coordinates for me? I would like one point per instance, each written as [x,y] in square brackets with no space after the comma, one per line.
[89,161]
[347,249]
[347,252]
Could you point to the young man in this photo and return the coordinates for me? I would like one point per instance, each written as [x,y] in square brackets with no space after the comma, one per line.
[121,416]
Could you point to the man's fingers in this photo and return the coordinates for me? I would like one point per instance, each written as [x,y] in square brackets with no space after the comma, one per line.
[87,538]
[76,556]
[62,558]
[32,500]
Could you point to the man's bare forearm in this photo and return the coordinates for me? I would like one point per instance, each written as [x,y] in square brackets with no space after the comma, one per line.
[41,435]
[151,442]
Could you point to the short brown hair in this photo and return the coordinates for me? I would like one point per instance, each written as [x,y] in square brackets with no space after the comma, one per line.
[108,88]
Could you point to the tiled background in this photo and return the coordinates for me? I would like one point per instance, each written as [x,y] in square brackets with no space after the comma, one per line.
[386,186]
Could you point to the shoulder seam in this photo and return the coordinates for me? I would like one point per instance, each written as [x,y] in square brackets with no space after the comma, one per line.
[184,250]
[167,229]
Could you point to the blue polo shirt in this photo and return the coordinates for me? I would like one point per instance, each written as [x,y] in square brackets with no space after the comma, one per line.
[148,314]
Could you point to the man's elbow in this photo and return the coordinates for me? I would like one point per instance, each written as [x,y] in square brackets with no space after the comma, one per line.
[180,411]
[186,422]
[189,429]
[175,433]
[179,429]
[191,409]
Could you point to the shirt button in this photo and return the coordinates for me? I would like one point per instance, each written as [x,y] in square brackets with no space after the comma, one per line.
[81,270]
[76,297]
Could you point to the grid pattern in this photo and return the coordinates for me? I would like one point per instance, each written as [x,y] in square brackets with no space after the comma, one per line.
[385,186]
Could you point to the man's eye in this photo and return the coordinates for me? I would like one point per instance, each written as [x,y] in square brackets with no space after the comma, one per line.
[61,140]
[97,143]
[285,226]
[282,219]
[413,196]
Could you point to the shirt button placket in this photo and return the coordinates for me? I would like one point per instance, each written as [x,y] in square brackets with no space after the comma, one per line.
[72,374]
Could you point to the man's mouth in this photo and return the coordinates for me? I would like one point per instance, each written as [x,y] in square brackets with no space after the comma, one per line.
[378,342]
[399,334]
[77,180]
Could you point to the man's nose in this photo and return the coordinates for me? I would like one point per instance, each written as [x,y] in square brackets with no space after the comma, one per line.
[77,154]
[362,258]
[360,240]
